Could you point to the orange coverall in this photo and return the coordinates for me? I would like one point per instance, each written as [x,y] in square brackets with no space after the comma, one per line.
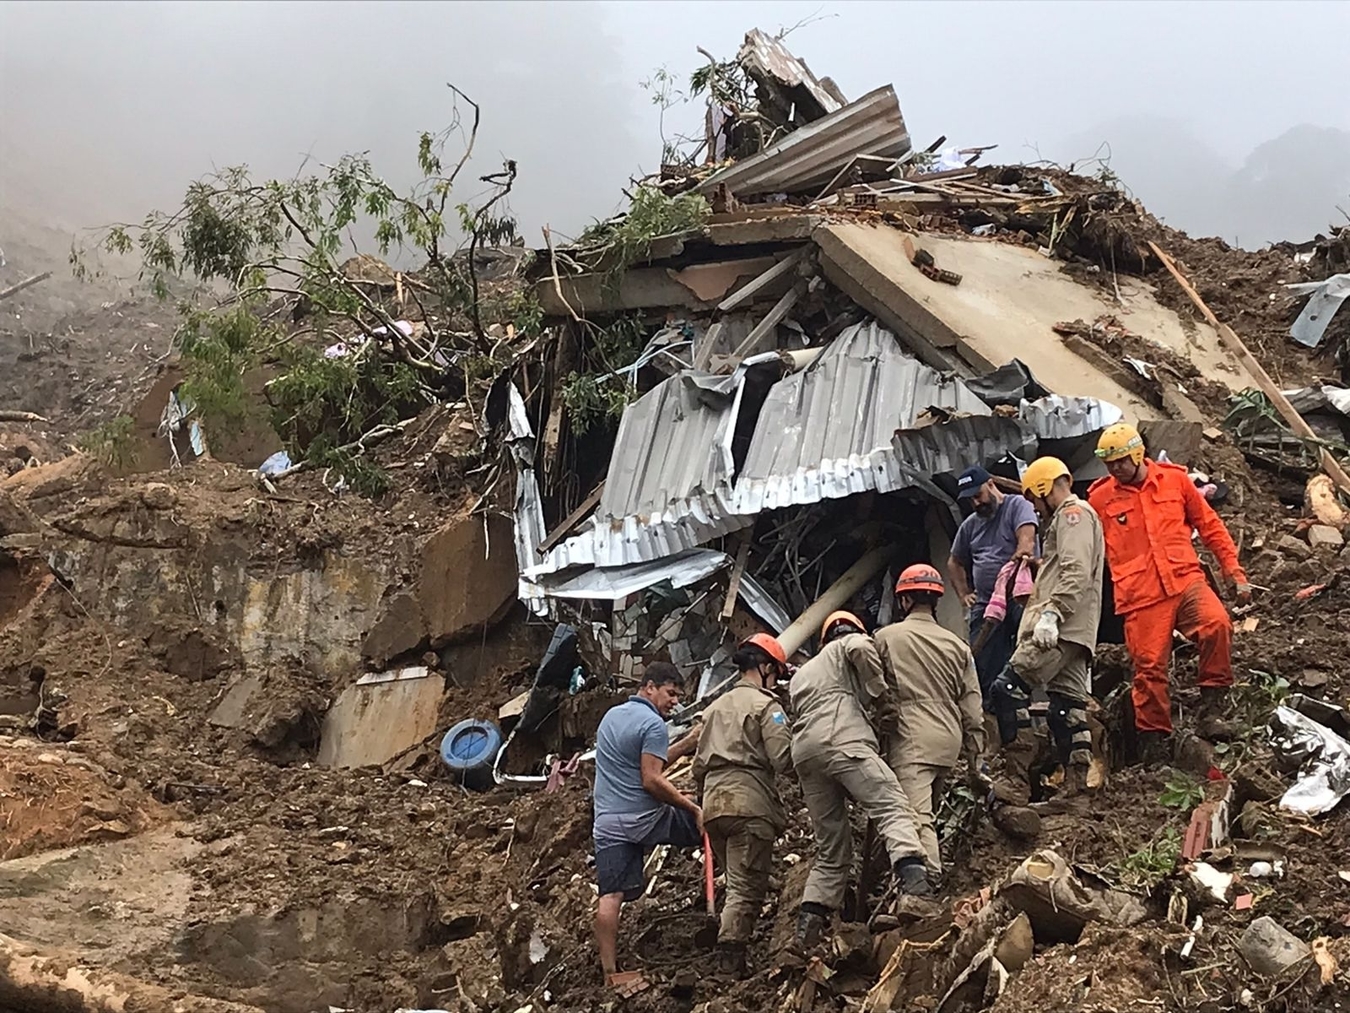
[1159,585]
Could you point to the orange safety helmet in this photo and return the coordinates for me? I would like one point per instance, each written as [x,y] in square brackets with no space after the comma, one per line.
[835,618]
[769,645]
[918,578]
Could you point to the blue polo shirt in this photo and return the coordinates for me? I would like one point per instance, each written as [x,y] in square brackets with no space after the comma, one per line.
[623,810]
[984,544]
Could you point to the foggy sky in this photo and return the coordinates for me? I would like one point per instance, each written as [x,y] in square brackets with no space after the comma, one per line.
[107,109]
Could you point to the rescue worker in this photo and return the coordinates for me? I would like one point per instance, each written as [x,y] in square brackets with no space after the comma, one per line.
[1149,510]
[939,703]
[837,756]
[1056,638]
[744,745]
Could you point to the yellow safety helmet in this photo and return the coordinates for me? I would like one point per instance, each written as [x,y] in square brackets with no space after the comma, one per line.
[1120,441]
[1042,474]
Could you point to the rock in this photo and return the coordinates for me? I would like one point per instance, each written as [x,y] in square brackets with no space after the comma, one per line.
[1319,496]
[1291,546]
[113,830]
[1017,945]
[158,496]
[1195,755]
[1271,948]
[1018,822]
[1321,536]
[400,629]
[469,577]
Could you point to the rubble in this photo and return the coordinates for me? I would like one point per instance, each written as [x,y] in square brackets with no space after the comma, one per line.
[246,701]
[1270,948]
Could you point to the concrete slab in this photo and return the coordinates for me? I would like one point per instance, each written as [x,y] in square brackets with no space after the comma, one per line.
[372,722]
[1008,299]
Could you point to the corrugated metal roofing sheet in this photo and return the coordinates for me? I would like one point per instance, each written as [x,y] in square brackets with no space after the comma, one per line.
[613,583]
[669,477]
[826,432]
[811,156]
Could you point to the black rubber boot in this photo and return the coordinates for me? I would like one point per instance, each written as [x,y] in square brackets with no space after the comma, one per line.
[1210,722]
[812,921]
[731,959]
[912,877]
[1155,749]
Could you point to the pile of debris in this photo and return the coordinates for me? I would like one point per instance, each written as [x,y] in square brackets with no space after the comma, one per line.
[224,686]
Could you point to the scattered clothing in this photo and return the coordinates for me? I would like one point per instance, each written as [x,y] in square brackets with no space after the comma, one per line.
[1015,575]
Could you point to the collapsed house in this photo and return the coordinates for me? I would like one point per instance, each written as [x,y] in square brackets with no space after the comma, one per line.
[844,333]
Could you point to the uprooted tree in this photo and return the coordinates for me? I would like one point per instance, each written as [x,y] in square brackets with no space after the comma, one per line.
[283,291]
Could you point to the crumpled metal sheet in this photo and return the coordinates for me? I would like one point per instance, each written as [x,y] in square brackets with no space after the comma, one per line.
[613,583]
[809,157]
[1324,775]
[530,528]
[826,432]
[1326,298]
[763,604]
[1056,417]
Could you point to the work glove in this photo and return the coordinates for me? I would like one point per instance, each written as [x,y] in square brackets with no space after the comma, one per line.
[977,777]
[1244,593]
[1045,634]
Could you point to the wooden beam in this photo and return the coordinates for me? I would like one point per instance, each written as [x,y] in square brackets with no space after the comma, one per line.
[706,346]
[737,569]
[763,281]
[770,321]
[26,283]
[1235,345]
[572,520]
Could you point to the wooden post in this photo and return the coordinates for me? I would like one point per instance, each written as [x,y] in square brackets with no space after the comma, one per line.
[734,586]
[1235,345]
[27,282]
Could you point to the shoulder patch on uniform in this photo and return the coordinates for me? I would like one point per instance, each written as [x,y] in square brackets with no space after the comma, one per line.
[779,718]
[1073,514]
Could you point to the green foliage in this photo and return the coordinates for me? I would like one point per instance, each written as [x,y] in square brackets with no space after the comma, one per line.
[320,404]
[1182,792]
[112,444]
[1256,698]
[620,244]
[218,349]
[1153,862]
[590,399]
[265,237]
[602,393]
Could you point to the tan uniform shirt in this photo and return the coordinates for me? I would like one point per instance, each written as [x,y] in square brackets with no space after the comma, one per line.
[936,688]
[831,695]
[1070,578]
[745,742]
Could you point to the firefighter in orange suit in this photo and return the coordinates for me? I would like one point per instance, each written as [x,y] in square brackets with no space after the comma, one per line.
[1149,511]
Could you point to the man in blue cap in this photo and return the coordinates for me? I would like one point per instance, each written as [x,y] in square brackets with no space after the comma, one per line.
[999,529]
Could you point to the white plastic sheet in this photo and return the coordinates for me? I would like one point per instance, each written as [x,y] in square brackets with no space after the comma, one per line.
[1324,777]
[1326,298]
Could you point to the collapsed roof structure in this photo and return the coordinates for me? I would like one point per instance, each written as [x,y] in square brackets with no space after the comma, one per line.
[849,325]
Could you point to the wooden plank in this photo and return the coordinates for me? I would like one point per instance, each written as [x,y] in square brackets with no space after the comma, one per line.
[763,281]
[770,321]
[1235,345]
[737,569]
[707,345]
[572,520]
[26,283]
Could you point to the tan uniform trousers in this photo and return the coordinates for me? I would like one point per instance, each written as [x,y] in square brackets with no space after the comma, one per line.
[828,781]
[923,784]
[743,846]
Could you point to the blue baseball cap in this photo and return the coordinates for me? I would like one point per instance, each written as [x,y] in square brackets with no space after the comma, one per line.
[970,482]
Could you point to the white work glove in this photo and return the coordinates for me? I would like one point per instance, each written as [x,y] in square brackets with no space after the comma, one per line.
[1045,634]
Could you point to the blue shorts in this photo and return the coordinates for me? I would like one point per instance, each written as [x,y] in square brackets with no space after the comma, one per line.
[618,867]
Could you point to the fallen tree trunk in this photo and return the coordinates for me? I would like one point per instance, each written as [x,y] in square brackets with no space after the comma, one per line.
[44,982]
[27,282]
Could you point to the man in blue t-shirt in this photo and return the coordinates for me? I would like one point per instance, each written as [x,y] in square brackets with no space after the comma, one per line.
[636,806]
[999,528]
